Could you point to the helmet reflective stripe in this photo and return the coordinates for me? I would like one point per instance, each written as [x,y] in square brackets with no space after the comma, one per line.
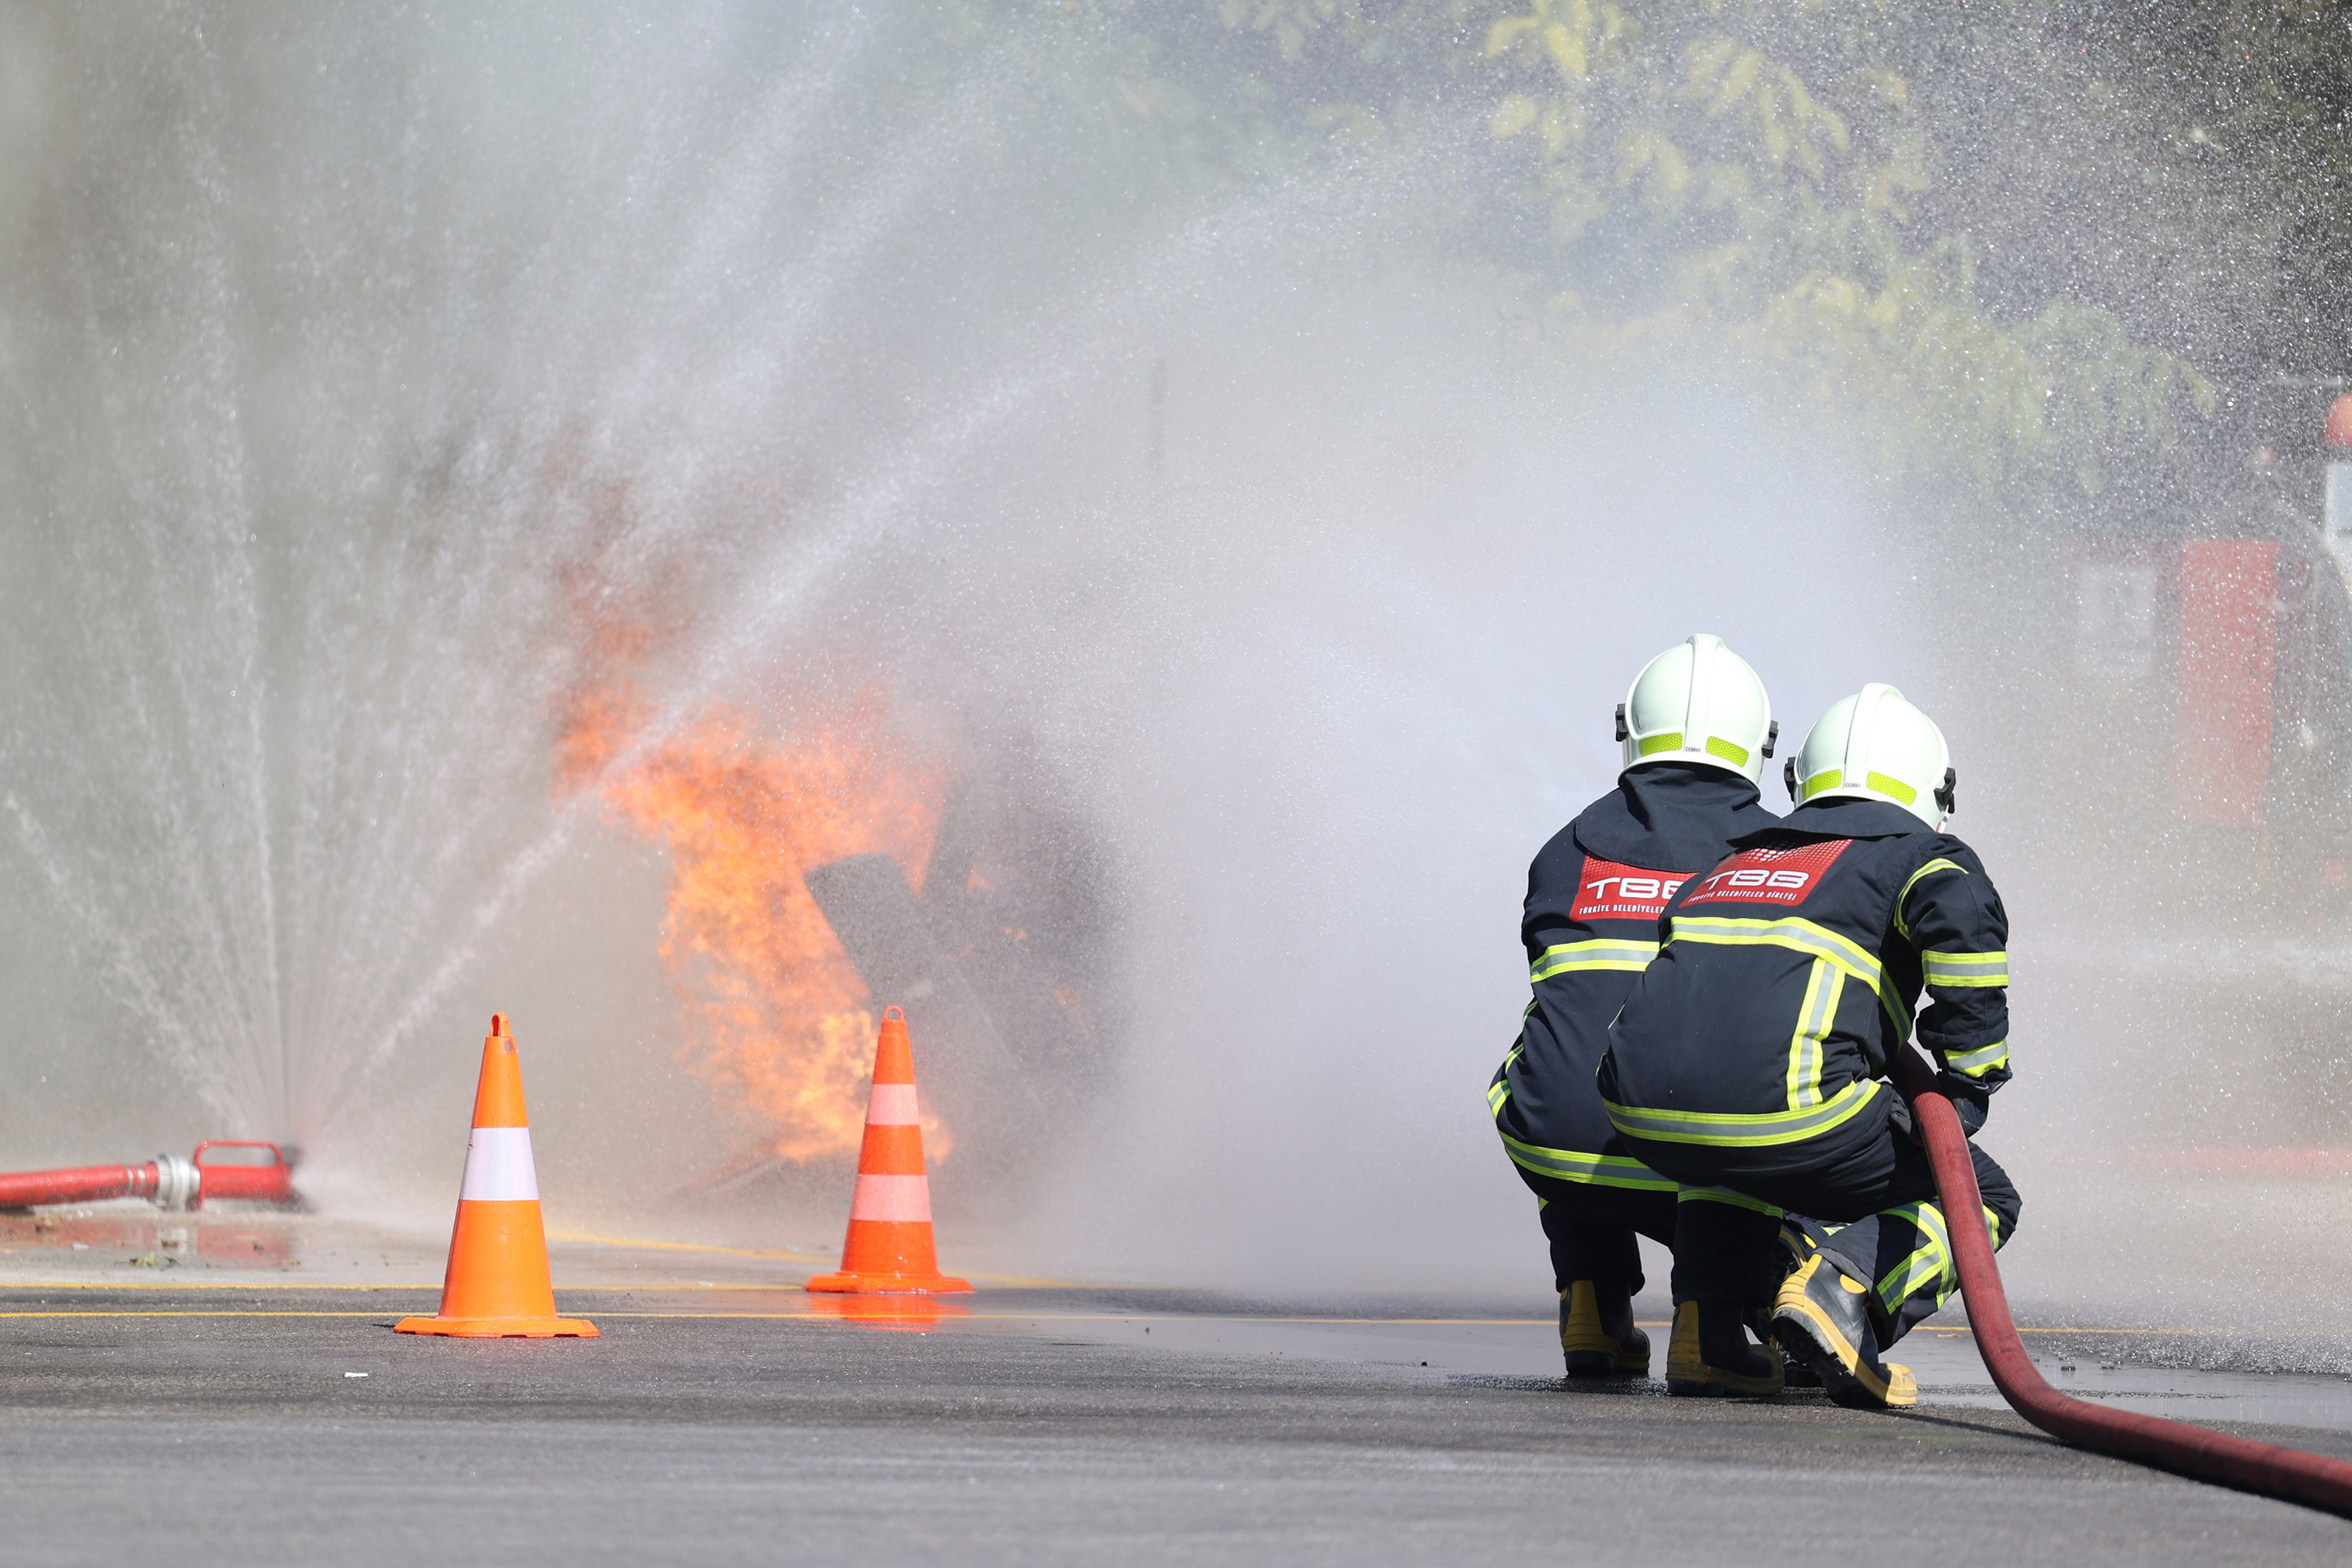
[1874,745]
[1699,702]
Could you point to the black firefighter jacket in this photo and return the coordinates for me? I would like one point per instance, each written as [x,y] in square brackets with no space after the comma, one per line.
[1786,973]
[1590,924]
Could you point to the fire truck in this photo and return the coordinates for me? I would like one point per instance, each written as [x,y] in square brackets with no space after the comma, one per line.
[2209,707]
[2189,896]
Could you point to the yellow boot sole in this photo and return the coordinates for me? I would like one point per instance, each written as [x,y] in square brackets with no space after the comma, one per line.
[1823,1345]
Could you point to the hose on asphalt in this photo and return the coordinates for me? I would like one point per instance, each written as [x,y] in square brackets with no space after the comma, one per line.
[2290,1473]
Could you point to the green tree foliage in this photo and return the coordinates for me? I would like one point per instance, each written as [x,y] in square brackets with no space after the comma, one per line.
[1769,159]
[2187,163]
[1880,204]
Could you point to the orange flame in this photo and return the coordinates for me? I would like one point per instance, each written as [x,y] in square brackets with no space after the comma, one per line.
[777,1014]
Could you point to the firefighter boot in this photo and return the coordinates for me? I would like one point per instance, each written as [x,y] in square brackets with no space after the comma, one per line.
[1709,1355]
[1596,1335]
[1796,1246]
[1794,1373]
[1822,1318]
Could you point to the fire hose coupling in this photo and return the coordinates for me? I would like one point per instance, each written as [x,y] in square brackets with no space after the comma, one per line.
[241,1168]
[178,1183]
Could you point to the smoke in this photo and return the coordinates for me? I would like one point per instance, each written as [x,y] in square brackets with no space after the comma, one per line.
[1323,687]
[340,350]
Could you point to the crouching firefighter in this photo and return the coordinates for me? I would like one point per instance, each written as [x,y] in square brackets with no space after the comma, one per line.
[1696,729]
[1751,1054]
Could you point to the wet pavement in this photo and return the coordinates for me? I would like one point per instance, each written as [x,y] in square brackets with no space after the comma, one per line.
[226,1411]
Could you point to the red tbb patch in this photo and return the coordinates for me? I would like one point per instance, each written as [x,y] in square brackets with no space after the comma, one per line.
[1614,892]
[1769,876]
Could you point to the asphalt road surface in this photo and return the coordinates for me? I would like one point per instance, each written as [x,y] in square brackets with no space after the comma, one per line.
[257,1426]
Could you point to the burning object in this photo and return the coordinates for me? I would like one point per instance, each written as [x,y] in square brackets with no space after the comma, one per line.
[817,879]
[983,964]
[824,865]
[778,1018]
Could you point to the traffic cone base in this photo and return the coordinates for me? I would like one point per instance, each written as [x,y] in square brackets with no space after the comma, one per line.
[890,1284]
[497,1285]
[499,1328]
[888,1250]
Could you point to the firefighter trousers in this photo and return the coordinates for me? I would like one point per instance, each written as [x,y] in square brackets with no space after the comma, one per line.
[1872,1204]
[1719,1249]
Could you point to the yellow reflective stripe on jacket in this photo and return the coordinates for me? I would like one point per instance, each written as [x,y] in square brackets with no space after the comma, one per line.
[1601,953]
[1954,970]
[1801,936]
[1740,1130]
[1595,1169]
[1904,897]
[1498,1091]
[1823,990]
[1980,1061]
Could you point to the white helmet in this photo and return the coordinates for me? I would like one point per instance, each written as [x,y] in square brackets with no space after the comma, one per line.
[1874,745]
[1699,702]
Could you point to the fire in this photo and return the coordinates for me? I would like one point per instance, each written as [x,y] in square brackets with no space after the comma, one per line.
[778,1018]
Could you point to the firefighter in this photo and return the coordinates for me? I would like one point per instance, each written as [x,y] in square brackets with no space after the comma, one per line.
[1696,727]
[1751,1054]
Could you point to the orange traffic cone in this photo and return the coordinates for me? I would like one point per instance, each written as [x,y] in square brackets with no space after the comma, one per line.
[496,1284]
[889,1245]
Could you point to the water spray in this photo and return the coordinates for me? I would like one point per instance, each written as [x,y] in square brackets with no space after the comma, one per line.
[2194,1451]
[250,1170]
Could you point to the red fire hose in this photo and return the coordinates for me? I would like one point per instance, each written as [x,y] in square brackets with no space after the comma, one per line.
[253,1171]
[2289,1473]
[89,1184]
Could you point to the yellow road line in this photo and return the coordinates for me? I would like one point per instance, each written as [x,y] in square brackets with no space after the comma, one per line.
[947,1312]
[252,1313]
[6,1288]
[1004,1282]
[910,1316]
[768,1254]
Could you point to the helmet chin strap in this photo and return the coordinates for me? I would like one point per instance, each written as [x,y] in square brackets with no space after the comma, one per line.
[1944,792]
